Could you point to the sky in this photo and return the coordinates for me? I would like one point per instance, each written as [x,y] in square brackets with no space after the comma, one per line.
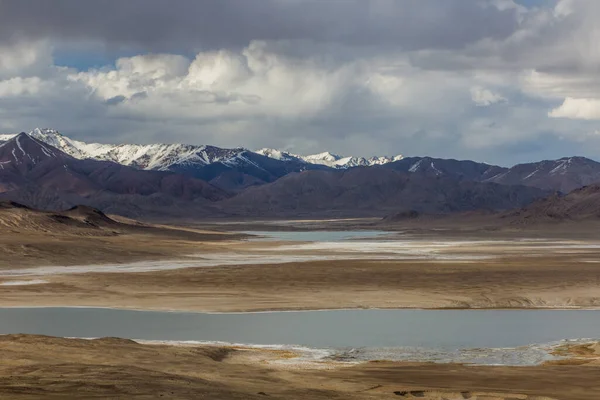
[499,81]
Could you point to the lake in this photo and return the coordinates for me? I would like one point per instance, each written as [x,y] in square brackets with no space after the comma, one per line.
[511,337]
[440,332]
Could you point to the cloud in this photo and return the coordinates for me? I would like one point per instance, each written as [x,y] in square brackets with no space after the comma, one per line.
[588,109]
[448,78]
[183,25]
[22,59]
[115,100]
[251,83]
[485,97]
[20,86]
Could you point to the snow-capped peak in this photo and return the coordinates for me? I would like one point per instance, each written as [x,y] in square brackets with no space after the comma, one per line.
[328,159]
[23,151]
[164,157]
[278,155]
[325,157]
[55,139]
[152,156]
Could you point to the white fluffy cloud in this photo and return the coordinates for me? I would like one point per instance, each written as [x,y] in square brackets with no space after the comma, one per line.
[248,84]
[485,97]
[523,93]
[588,109]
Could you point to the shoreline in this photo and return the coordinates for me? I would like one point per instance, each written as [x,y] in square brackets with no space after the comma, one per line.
[299,310]
[50,367]
[301,355]
[521,277]
[555,351]
[531,351]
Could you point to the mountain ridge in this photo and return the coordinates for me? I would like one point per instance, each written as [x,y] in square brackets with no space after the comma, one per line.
[41,176]
[582,204]
[161,156]
[230,169]
[235,170]
[44,177]
[376,191]
[329,159]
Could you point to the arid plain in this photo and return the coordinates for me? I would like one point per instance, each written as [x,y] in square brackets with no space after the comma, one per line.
[221,270]
[63,262]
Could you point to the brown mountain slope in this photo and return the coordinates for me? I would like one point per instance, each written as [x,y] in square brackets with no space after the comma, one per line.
[376,191]
[562,175]
[565,174]
[80,220]
[43,177]
[84,236]
[580,204]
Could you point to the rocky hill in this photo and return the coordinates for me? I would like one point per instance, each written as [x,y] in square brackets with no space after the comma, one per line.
[44,177]
[582,204]
[376,191]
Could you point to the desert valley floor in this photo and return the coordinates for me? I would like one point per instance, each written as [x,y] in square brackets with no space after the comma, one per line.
[222,267]
[228,271]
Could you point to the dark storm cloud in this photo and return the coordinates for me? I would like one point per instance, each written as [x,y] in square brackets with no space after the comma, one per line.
[115,100]
[183,25]
[336,75]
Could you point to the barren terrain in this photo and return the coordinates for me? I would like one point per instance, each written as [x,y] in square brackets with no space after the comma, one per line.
[52,368]
[88,263]
[219,272]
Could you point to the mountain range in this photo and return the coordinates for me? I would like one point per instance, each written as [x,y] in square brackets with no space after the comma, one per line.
[562,175]
[238,168]
[40,175]
[48,170]
[230,169]
[164,157]
[581,204]
[376,191]
[329,159]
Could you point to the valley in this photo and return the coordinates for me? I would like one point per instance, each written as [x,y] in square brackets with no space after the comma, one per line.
[300,200]
[222,269]
[273,233]
[220,272]
[85,258]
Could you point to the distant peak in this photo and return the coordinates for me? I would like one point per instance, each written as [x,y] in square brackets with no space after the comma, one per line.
[268,150]
[23,138]
[44,132]
[27,137]
[325,155]
[328,158]
[575,158]
[25,150]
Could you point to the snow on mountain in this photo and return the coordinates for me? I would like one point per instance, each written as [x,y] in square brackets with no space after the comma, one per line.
[328,159]
[564,174]
[23,153]
[278,155]
[163,156]
[150,157]
[238,168]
